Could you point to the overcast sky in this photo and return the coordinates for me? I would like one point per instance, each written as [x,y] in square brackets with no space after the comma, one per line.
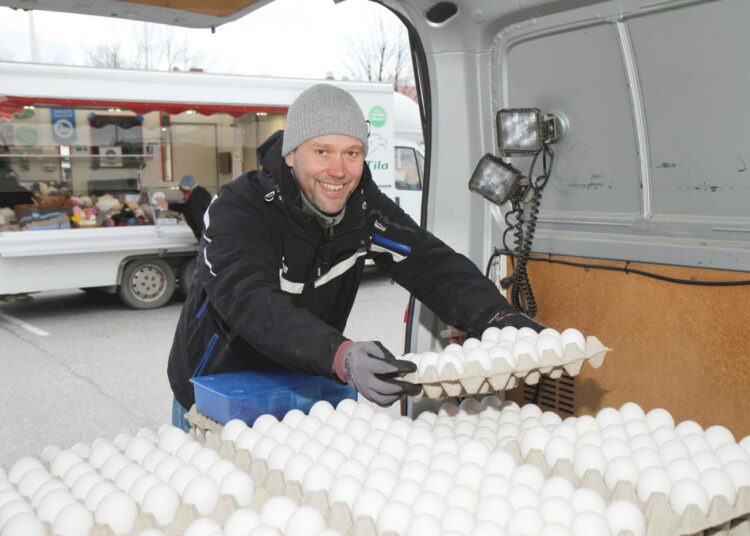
[296,38]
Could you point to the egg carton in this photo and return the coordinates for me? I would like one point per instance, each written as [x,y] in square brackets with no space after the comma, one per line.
[722,518]
[501,376]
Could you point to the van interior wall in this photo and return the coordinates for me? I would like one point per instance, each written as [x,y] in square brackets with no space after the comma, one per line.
[680,347]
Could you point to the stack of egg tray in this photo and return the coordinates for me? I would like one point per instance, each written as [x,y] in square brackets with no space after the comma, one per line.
[723,519]
[501,376]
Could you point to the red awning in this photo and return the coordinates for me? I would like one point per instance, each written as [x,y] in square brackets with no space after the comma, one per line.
[10,105]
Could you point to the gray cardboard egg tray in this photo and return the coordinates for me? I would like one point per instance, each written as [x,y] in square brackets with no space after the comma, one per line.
[722,519]
[476,380]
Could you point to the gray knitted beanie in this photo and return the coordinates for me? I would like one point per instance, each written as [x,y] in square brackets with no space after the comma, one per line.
[321,110]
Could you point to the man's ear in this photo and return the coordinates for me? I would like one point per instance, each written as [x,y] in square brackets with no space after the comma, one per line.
[289,159]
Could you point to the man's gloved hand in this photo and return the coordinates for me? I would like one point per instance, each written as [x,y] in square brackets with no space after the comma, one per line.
[371,369]
[517,320]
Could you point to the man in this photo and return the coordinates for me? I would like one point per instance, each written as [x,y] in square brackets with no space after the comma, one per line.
[194,204]
[282,258]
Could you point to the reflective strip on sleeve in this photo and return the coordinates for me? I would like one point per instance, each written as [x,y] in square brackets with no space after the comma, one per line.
[206,223]
[289,286]
[378,249]
[340,268]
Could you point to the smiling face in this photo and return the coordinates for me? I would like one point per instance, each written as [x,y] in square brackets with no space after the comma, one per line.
[328,169]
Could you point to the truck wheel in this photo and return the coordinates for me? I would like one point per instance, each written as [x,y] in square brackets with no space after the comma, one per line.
[186,276]
[146,284]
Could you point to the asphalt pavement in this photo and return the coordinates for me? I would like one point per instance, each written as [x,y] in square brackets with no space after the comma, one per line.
[77,367]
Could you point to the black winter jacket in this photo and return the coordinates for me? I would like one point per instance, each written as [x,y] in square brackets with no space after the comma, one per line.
[272,290]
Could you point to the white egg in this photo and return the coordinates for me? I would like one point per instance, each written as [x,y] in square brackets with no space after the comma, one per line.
[406,492]
[420,436]
[264,447]
[646,457]
[495,509]
[524,347]
[364,411]
[659,417]
[586,423]
[347,406]
[636,427]
[325,434]
[573,336]
[589,438]
[32,481]
[53,503]
[566,430]
[427,361]
[625,516]
[614,448]
[653,480]
[344,489]
[84,484]
[500,463]
[392,445]
[232,429]
[278,457]
[681,469]
[557,510]
[24,523]
[616,431]
[166,467]
[523,521]
[686,492]
[293,417]
[332,459]
[241,522]
[264,422]
[358,429]
[162,502]
[444,462]
[220,469]
[589,458]
[673,450]
[664,434]
[688,427]
[429,503]
[739,472]
[550,418]
[247,439]
[706,460]
[203,526]
[73,520]
[351,468]
[718,435]
[369,503]
[745,444]
[423,524]
[717,483]
[363,453]
[394,516]
[528,475]
[182,477]
[185,452]
[462,497]
[238,484]
[63,461]
[589,523]
[12,509]
[456,522]
[203,493]
[508,333]
[522,496]
[730,452]
[554,529]
[504,353]
[621,469]
[535,438]
[280,431]
[382,480]
[171,439]
[338,420]
[469,474]
[304,521]
[471,343]
[631,411]
[450,358]
[127,475]
[137,448]
[587,500]
[318,477]
[139,488]
[556,449]
[118,511]
[43,490]
[296,467]
[557,486]
[438,481]
[383,460]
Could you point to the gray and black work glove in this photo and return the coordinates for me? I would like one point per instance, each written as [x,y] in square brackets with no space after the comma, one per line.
[372,370]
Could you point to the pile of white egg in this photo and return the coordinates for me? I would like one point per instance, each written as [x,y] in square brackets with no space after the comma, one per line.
[112,483]
[501,358]
[438,474]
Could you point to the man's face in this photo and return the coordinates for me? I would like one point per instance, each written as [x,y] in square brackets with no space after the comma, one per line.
[328,170]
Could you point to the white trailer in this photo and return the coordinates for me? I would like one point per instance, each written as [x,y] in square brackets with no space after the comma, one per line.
[123,131]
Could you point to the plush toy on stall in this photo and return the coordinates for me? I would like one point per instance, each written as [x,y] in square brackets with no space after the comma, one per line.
[108,203]
[7,216]
[83,217]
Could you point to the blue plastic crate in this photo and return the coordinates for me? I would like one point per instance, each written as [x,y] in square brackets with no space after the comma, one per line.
[247,395]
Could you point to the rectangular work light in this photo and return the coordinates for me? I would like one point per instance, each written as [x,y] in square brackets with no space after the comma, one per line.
[519,130]
[498,181]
